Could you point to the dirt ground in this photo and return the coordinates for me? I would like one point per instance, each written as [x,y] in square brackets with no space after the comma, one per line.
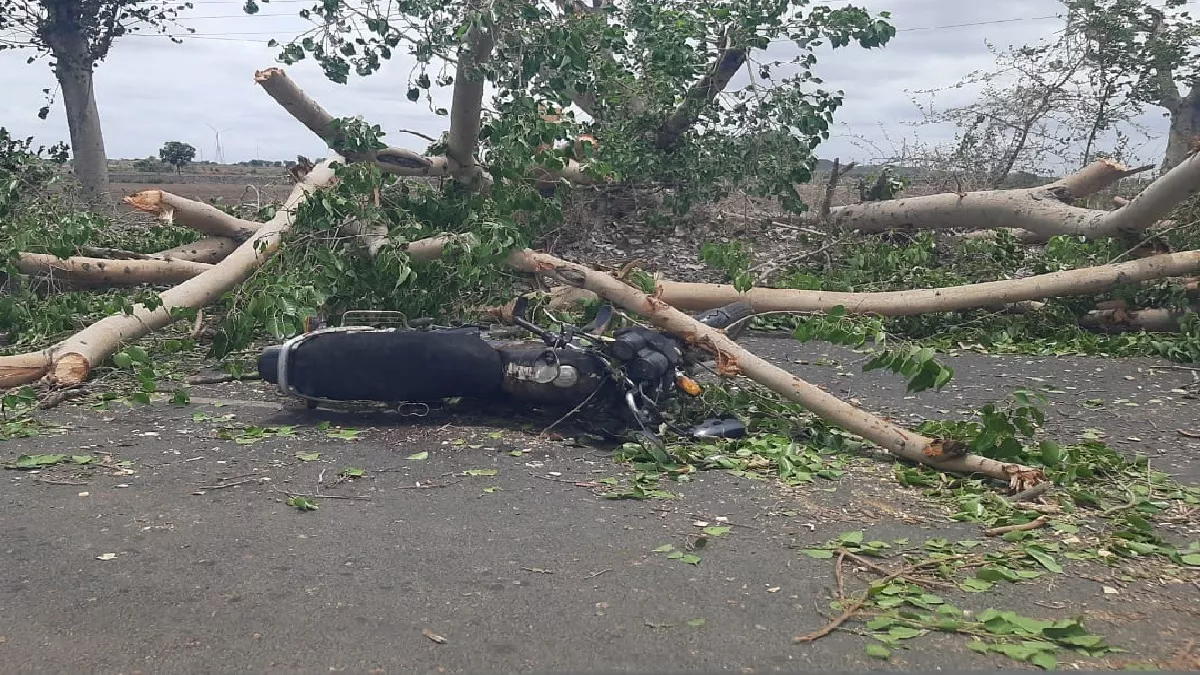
[228,193]
[474,544]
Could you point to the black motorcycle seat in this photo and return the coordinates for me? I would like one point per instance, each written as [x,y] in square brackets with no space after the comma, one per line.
[389,365]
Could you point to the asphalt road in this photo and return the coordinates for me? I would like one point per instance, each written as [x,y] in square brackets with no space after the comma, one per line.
[498,544]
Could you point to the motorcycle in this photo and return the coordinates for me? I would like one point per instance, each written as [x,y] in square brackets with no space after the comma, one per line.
[629,374]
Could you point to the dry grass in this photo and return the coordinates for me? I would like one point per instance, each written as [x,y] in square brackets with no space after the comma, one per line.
[271,190]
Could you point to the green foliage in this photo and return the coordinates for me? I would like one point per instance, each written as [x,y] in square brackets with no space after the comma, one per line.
[177,154]
[880,187]
[733,259]
[635,60]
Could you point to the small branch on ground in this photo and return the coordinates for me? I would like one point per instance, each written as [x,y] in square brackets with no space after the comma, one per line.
[1034,524]
[854,607]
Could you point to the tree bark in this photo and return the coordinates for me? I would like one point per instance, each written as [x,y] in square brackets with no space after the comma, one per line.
[1157,320]
[700,96]
[74,71]
[732,359]
[397,161]
[1183,136]
[207,250]
[70,362]
[466,103]
[308,112]
[1044,210]
[82,272]
[197,215]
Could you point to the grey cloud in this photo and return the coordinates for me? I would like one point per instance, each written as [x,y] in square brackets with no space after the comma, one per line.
[151,90]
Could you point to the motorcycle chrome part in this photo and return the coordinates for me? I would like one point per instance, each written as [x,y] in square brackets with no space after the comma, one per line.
[361,317]
[716,427]
[567,377]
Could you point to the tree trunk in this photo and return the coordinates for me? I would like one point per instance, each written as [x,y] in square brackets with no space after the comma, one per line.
[74,72]
[1184,133]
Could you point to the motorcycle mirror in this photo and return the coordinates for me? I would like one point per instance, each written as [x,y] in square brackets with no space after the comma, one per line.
[719,428]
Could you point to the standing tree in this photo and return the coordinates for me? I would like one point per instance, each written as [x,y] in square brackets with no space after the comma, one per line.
[77,35]
[1141,54]
[177,154]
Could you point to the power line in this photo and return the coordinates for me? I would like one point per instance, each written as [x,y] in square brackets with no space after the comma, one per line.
[228,35]
[981,23]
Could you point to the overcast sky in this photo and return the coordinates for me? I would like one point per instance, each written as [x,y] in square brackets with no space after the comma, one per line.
[151,90]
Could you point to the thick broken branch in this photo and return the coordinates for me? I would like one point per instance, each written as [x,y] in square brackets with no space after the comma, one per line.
[71,361]
[1157,320]
[700,95]
[1084,281]
[1045,210]
[732,359]
[397,161]
[392,160]
[81,272]
[197,215]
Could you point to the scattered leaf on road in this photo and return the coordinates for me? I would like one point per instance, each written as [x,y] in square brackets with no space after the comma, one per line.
[308,456]
[878,651]
[302,503]
[419,455]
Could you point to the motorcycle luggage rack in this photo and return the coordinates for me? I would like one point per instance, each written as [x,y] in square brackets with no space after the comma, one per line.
[376,318]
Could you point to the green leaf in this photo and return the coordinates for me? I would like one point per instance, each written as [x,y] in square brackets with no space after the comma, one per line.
[717,531]
[82,459]
[352,472]
[664,548]
[308,456]
[818,553]
[851,537]
[696,623]
[481,472]
[37,461]
[903,632]
[302,503]
[691,559]
[979,646]
[1044,660]
[878,651]
[419,455]
[1192,559]
[1045,560]
[881,622]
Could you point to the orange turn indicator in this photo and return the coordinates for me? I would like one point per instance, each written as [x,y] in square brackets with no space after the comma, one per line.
[688,385]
